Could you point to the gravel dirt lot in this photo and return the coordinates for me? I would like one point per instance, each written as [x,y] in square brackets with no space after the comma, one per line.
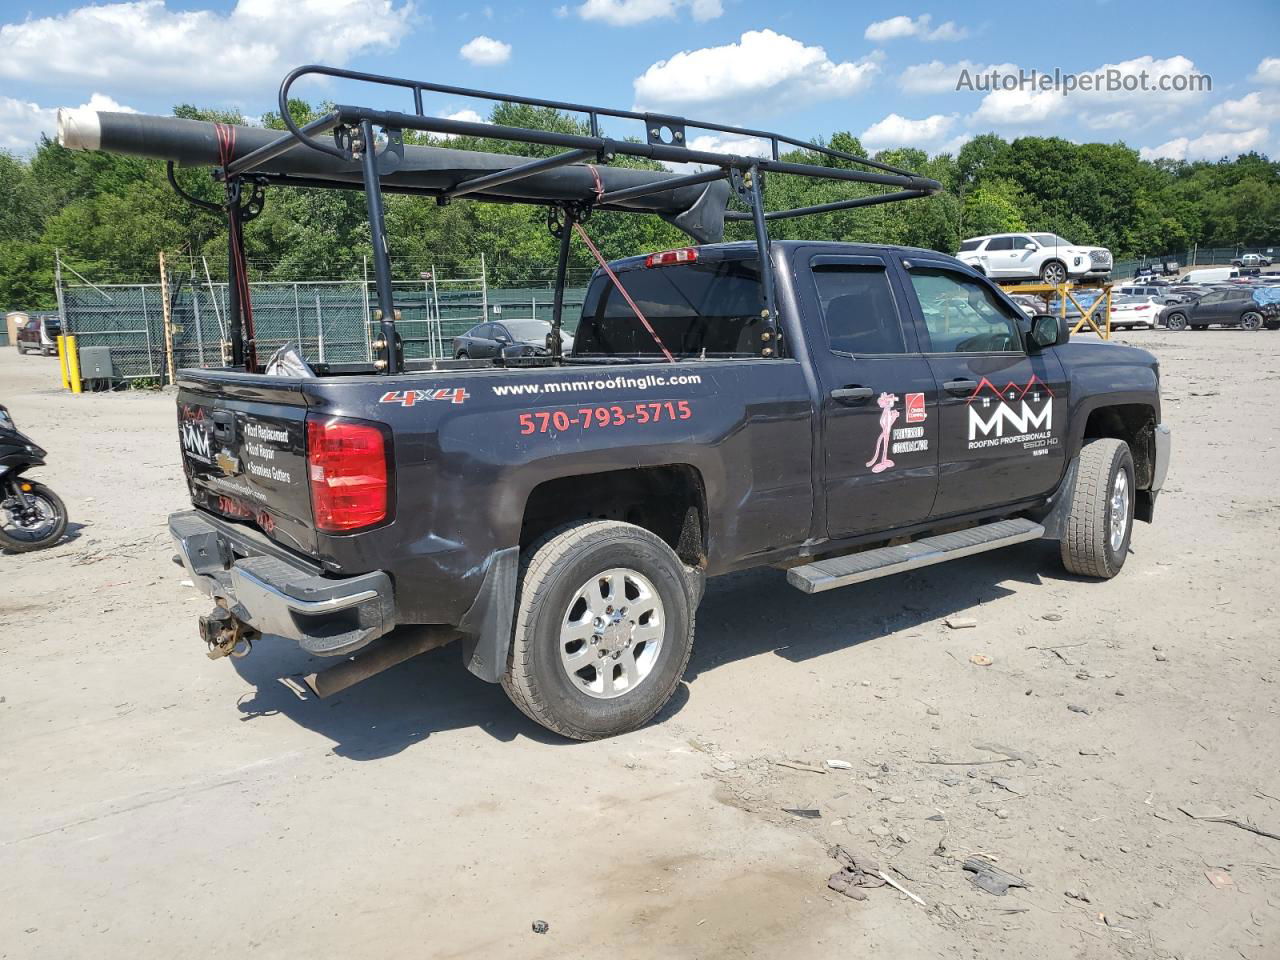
[156,803]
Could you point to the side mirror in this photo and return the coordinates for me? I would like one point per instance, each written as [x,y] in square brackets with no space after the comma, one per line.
[1029,246]
[1048,331]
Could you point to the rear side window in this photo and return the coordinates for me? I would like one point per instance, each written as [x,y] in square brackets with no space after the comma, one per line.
[970,245]
[695,308]
[1000,243]
[859,310]
[963,315]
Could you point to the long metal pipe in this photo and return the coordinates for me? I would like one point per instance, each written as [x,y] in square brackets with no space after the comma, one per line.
[381,253]
[829,207]
[562,266]
[519,173]
[281,146]
[645,189]
[766,259]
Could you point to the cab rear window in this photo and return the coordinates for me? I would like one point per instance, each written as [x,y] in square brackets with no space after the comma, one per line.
[705,308]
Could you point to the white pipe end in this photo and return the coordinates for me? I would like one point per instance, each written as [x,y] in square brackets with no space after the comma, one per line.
[79,128]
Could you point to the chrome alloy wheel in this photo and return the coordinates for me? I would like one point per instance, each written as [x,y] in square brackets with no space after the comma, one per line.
[612,633]
[1119,510]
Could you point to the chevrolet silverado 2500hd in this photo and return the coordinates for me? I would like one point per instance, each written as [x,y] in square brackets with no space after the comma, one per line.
[841,411]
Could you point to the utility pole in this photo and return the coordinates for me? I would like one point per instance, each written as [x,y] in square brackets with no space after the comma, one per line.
[168,317]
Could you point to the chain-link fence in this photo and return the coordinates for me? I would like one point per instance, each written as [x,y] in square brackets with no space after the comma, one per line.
[1194,256]
[331,320]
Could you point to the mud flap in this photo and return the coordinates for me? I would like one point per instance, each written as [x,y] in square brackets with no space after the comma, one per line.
[486,627]
[1055,521]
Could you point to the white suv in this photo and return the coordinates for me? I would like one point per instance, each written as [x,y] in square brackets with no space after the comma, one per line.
[1034,256]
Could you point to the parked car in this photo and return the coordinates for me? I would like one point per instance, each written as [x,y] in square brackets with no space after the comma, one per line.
[1251,260]
[1034,256]
[1210,275]
[1228,307]
[40,334]
[1128,312]
[1163,292]
[525,337]
[1028,304]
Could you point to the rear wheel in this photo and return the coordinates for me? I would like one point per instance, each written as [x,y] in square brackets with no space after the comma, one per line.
[1100,523]
[462,355]
[603,631]
[1251,320]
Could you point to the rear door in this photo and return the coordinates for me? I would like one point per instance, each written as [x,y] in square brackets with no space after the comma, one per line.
[1002,418]
[879,400]
[244,454]
[999,259]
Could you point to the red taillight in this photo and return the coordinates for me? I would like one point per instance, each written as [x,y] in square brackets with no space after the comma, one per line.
[669,257]
[1143,307]
[347,465]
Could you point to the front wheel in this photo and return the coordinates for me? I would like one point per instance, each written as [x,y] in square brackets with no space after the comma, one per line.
[39,522]
[1251,320]
[1100,522]
[1053,272]
[1176,321]
[603,631]
[462,355]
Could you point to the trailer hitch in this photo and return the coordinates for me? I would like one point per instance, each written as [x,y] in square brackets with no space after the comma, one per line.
[224,632]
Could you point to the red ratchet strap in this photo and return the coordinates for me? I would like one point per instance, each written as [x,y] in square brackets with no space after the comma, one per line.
[226,153]
[623,290]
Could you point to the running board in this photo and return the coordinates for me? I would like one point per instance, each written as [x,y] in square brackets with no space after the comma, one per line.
[870,564]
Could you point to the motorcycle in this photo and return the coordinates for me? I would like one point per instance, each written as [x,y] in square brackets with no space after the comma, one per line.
[31,515]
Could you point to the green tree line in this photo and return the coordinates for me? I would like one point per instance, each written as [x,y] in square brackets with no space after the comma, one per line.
[110,215]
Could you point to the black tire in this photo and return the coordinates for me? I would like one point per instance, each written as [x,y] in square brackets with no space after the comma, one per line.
[552,572]
[1251,320]
[1091,545]
[1054,272]
[1176,321]
[16,544]
[462,355]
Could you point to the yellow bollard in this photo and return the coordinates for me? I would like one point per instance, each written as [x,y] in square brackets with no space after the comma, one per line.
[62,361]
[73,365]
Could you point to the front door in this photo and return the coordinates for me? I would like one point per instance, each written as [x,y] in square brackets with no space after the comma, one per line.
[1003,413]
[879,408]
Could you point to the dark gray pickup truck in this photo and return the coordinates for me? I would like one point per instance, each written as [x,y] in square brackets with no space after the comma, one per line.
[840,411]
[563,518]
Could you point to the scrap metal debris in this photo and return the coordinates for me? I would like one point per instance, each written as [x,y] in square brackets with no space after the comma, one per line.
[987,876]
[1214,815]
[857,873]
[1026,758]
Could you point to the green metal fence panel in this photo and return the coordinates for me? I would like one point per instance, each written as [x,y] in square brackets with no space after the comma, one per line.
[330,320]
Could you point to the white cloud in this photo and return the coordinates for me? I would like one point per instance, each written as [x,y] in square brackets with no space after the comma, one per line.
[1108,105]
[898,131]
[1268,71]
[485,51]
[145,46]
[938,77]
[626,13]
[765,69]
[1251,110]
[470,116]
[722,143]
[901,26]
[22,122]
[562,11]
[1209,146]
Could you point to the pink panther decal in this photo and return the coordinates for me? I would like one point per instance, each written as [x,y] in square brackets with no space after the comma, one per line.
[880,461]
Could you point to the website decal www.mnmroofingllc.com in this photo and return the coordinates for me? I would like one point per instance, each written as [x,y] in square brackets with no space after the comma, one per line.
[646,382]
[1108,80]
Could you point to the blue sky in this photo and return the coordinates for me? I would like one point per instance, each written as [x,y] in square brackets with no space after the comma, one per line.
[885,72]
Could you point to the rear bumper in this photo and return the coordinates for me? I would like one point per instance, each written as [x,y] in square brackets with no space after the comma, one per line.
[326,616]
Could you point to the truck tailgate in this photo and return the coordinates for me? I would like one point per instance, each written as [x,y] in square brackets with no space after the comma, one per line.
[244,453]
